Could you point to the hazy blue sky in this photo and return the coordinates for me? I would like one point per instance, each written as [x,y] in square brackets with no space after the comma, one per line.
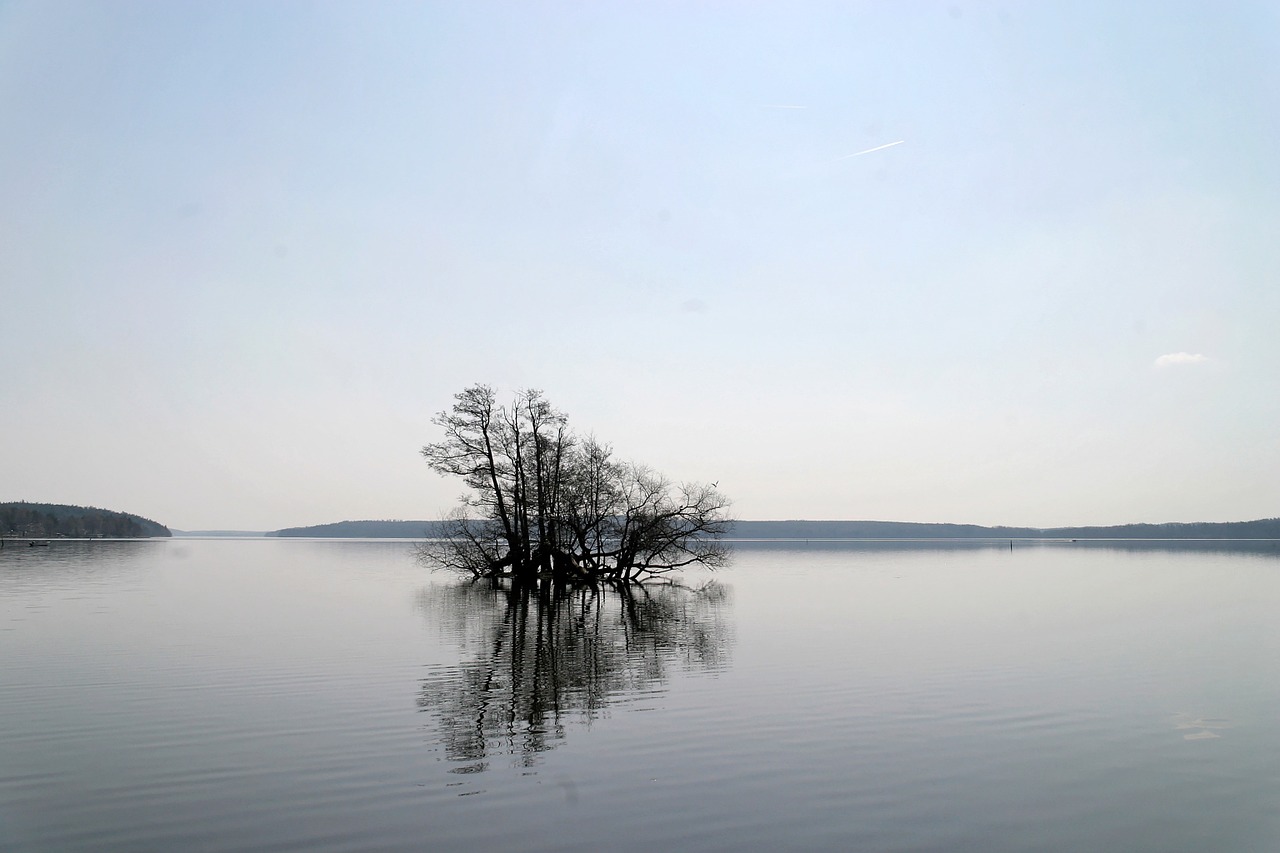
[247,250]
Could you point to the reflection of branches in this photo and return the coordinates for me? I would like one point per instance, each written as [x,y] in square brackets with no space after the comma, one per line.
[545,654]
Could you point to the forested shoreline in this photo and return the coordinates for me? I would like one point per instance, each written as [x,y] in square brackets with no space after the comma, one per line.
[42,521]
[1266,528]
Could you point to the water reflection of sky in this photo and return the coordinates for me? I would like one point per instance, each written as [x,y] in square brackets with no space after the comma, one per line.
[275,694]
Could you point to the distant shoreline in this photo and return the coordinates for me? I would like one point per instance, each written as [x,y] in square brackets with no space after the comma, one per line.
[22,520]
[801,530]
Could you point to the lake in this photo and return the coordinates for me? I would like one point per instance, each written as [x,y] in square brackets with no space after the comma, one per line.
[331,695]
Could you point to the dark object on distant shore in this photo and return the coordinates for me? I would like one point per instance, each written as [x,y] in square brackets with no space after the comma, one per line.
[32,520]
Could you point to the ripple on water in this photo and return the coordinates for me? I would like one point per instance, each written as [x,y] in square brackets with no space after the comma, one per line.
[289,696]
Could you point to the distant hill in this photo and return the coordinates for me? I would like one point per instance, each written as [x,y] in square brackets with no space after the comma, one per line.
[1267,528]
[45,520]
[366,530]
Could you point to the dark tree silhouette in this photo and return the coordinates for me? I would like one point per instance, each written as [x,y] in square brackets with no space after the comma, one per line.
[543,502]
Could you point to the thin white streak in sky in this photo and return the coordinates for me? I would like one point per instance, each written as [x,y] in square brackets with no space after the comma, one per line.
[784,106]
[869,150]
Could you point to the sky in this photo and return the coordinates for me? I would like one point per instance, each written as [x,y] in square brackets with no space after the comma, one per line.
[957,262]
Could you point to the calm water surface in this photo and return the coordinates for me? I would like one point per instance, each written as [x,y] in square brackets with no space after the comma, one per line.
[333,695]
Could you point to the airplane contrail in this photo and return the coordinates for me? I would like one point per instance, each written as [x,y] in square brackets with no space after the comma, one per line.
[869,150]
[784,106]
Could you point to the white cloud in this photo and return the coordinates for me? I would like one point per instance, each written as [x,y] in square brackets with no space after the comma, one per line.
[1174,359]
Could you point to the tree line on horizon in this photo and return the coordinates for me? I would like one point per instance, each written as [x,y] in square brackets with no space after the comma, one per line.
[37,521]
[1267,528]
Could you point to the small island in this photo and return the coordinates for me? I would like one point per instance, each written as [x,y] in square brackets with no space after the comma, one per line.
[545,502]
[24,520]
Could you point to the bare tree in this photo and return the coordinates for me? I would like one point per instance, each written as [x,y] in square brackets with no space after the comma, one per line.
[542,502]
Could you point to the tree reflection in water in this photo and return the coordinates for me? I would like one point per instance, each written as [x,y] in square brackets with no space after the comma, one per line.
[545,654]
